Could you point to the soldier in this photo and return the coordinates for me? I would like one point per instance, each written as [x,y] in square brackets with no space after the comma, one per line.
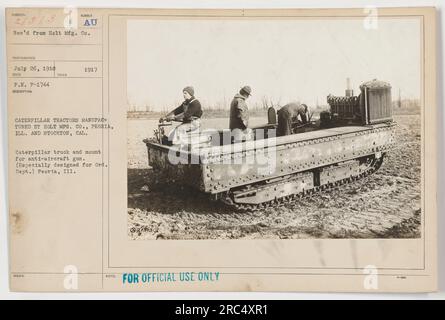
[289,114]
[239,113]
[189,113]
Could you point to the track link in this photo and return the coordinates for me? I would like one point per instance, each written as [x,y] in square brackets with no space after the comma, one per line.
[278,202]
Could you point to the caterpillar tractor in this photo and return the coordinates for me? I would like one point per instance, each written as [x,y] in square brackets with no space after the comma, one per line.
[348,142]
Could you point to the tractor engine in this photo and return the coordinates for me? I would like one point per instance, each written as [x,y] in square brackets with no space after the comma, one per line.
[373,105]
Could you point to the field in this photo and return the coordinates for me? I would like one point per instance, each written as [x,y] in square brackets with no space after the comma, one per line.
[383,205]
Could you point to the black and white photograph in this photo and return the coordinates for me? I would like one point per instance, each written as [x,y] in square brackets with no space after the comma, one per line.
[274,128]
[197,150]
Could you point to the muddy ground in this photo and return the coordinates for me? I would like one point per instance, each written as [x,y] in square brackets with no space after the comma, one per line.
[383,205]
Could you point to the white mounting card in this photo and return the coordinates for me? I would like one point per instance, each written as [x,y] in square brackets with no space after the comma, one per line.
[222,150]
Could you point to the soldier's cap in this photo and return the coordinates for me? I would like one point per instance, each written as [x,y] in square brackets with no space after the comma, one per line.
[247,89]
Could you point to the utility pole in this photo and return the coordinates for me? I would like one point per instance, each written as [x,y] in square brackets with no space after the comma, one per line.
[400,100]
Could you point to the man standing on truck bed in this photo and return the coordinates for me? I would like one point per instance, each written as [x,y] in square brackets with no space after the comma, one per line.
[288,114]
[239,113]
[189,113]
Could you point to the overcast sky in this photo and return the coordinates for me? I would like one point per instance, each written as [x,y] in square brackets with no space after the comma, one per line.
[285,60]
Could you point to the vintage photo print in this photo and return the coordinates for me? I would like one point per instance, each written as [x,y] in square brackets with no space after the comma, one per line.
[222,150]
[274,128]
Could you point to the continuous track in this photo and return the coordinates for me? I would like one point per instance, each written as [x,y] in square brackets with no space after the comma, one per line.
[229,196]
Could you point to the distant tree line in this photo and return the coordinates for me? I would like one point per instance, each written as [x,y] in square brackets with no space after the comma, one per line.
[400,106]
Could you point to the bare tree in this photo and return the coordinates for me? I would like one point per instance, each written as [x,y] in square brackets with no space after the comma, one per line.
[269,102]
